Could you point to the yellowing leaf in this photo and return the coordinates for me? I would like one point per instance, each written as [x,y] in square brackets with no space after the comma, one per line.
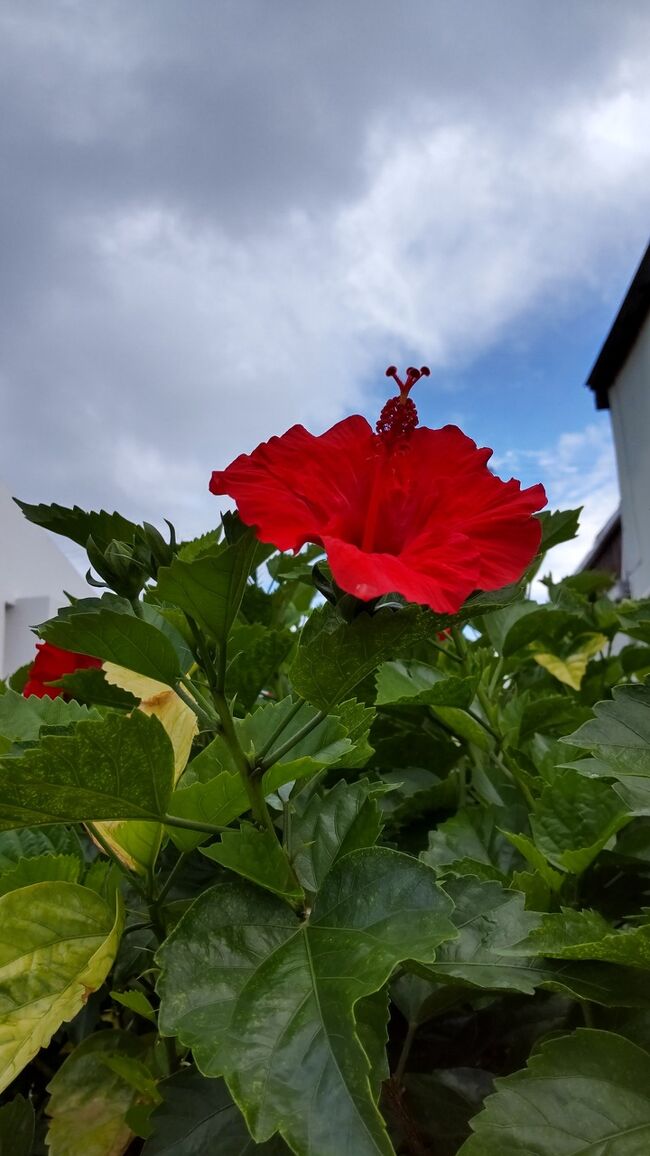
[160,700]
[136,844]
[58,941]
[571,669]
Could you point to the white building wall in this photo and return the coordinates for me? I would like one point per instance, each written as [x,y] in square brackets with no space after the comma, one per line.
[33,575]
[629,401]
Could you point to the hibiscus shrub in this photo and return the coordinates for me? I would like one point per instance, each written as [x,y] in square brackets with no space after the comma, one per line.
[343,852]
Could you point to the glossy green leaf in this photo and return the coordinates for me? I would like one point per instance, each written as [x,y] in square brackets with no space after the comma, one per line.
[211,790]
[210,587]
[334,656]
[277,1016]
[92,686]
[344,819]
[575,817]
[197,1117]
[39,868]
[586,935]
[135,1001]
[57,943]
[26,842]
[89,1101]
[582,1095]
[255,653]
[416,683]
[552,878]
[488,918]
[558,526]
[21,719]
[256,855]
[619,734]
[17,1123]
[217,801]
[122,638]
[119,768]
[79,525]
[473,834]
[635,620]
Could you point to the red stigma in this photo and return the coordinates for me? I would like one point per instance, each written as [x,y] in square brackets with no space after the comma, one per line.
[399,414]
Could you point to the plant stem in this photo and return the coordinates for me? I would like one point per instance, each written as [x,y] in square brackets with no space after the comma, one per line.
[406,1051]
[192,825]
[284,748]
[170,878]
[445,650]
[251,780]
[145,923]
[202,715]
[199,697]
[505,762]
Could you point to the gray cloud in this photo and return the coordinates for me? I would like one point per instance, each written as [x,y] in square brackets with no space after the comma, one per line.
[217,219]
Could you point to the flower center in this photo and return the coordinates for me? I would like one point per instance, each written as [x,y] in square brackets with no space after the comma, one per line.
[398,417]
[399,414]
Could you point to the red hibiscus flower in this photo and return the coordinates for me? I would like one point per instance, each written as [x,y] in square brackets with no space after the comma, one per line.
[50,664]
[409,510]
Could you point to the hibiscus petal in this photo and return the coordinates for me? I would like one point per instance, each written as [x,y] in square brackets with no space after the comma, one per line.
[292,487]
[441,574]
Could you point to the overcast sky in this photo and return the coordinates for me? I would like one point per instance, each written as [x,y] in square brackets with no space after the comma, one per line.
[221,217]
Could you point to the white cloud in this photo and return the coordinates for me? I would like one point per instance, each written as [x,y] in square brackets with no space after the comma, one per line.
[182,321]
[579,470]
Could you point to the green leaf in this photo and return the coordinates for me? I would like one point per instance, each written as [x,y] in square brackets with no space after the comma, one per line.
[542,625]
[553,879]
[603,983]
[117,637]
[38,869]
[211,790]
[119,768]
[488,918]
[635,620]
[91,686]
[17,1124]
[210,588]
[499,624]
[551,714]
[256,855]
[77,525]
[269,729]
[217,801]
[135,1001]
[558,526]
[416,683]
[344,819]
[472,835]
[588,1093]
[575,818]
[197,1117]
[255,652]
[276,1018]
[21,718]
[27,842]
[619,734]
[586,935]
[57,944]
[89,1101]
[334,657]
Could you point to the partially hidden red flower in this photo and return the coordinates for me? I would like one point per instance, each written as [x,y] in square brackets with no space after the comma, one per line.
[50,664]
[405,509]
